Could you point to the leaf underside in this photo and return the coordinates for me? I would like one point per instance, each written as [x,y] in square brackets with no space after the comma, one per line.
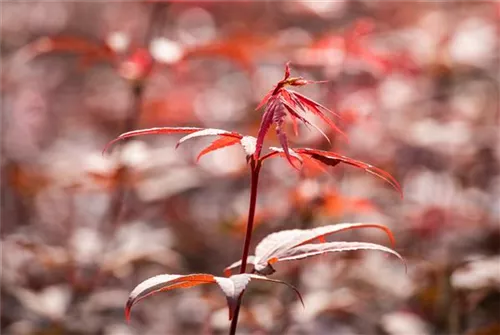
[299,243]
[232,287]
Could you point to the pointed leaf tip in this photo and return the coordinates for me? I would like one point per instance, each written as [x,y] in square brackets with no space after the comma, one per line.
[151,131]
[109,144]
[128,307]
[287,70]
[263,278]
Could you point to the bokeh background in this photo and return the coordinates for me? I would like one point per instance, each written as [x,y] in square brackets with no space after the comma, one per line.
[416,83]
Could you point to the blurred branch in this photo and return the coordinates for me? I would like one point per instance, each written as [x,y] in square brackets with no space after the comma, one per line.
[137,87]
[137,91]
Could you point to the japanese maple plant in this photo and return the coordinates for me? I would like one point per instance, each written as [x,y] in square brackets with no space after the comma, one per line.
[280,246]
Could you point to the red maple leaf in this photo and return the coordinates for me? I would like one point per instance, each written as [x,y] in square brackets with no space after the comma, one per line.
[281,101]
[226,138]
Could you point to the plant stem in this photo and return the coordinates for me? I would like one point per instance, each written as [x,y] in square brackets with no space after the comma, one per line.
[251,213]
[111,220]
[255,170]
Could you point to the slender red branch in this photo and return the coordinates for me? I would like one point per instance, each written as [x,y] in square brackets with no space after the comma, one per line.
[251,213]
[255,170]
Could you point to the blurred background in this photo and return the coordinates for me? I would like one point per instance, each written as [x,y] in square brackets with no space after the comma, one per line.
[416,84]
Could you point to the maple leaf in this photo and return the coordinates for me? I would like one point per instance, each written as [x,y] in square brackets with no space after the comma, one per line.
[90,51]
[29,181]
[296,244]
[227,138]
[135,65]
[232,287]
[280,102]
[240,48]
[333,159]
[109,181]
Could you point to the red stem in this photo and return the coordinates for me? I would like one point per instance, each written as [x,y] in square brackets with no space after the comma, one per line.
[255,170]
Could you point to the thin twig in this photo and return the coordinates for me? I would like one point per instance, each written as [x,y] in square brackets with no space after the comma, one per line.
[137,90]
[120,193]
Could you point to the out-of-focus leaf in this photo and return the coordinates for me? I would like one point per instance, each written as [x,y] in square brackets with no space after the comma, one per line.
[329,201]
[241,48]
[48,256]
[91,51]
[232,287]
[336,204]
[109,181]
[174,107]
[326,49]
[477,274]
[26,182]
[280,245]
